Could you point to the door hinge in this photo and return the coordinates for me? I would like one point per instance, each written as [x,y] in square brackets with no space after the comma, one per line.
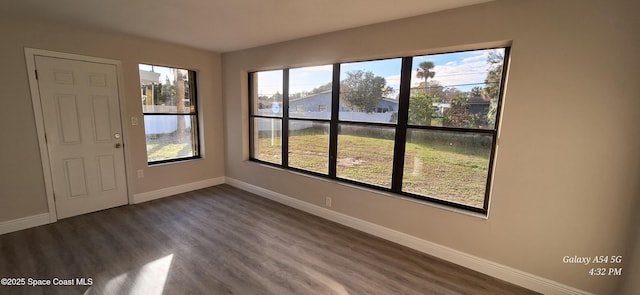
[45,138]
[36,74]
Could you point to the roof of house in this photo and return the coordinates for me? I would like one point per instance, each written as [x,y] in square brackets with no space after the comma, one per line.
[477,100]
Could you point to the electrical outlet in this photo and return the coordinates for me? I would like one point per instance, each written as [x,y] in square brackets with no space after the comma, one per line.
[327,202]
[140,173]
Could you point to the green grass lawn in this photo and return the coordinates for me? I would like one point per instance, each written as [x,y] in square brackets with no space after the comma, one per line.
[310,152]
[442,171]
[365,159]
[164,148]
[446,173]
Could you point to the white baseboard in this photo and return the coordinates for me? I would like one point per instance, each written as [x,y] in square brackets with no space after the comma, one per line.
[45,218]
[484,266]
[24,223]
[174,190]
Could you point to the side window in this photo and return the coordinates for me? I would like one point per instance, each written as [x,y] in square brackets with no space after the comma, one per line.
[169,105]
[266,116]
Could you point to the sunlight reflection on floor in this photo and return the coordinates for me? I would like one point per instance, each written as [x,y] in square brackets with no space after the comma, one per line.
[148,279]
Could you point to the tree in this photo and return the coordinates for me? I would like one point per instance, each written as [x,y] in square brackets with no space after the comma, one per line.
[179,90]
[491,91]
[321,88]
[421,102]
[276,97]
[451,93]
[304,93]
[476,91]
[433,89]
[297,95]
[424,71]
[362,91]
[166,93]
[494,76]
[420,109]
[458,113]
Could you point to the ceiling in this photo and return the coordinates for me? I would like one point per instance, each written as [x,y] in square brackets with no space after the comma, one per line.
[225,25]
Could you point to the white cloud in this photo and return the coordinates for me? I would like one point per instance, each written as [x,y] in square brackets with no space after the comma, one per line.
[461,74]
[451,75]
[456,73]
[393,80]
[479,57]
[269,82]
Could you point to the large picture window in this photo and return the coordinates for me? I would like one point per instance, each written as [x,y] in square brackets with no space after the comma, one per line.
[170,111]
[419,126]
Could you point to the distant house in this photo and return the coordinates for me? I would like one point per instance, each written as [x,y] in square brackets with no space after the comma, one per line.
[440,107]
[148,81]
[321,102]
[319,106]
[478,105]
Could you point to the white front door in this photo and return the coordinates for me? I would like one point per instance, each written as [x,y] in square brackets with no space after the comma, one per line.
[81,112]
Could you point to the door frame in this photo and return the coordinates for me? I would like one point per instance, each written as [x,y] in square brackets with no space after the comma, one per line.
[30,54]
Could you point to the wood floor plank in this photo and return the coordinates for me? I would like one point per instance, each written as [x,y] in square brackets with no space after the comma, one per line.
[222,240]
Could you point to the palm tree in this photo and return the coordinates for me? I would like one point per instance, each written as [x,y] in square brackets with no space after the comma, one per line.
[424,71]
[180,89]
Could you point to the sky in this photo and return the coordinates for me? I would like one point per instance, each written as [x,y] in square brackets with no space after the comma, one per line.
[462,70]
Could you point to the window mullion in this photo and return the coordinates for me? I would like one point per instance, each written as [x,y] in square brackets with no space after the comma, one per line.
[401,126]
[333,126]
[193,91]
[285,118]
[252,137]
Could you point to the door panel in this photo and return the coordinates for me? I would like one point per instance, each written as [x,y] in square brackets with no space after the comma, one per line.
[67,109]
[101,118]
[81,112]
[75,174]
[107,172]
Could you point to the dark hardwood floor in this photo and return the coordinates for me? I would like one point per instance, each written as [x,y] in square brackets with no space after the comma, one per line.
[222,240]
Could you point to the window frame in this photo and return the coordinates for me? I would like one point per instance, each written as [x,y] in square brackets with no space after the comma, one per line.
[401,127]
[193,115]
